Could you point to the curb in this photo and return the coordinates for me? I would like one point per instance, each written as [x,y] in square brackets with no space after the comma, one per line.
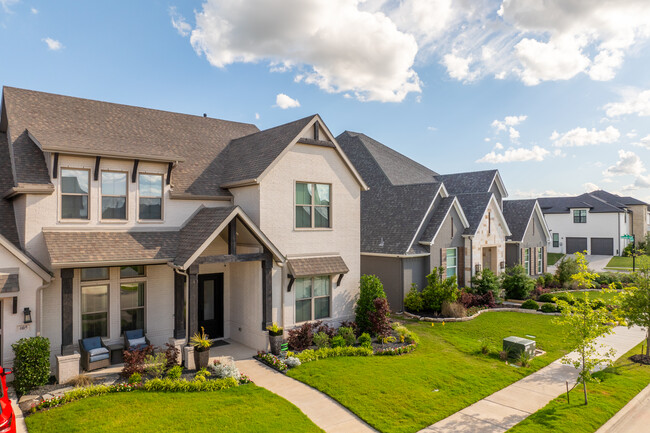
[611,424]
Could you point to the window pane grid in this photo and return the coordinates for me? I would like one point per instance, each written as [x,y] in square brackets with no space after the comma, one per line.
[94,311]
[313,298]
[150,196]
[74,193]
[313,205]
[114,198]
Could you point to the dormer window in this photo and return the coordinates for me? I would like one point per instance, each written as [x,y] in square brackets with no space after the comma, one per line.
[114,195]
[313,205]
[150,196]
[74,193]
[580,216]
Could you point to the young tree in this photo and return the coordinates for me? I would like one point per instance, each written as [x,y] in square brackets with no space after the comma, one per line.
[635,301]
[584,322]
[584,277]
[370,289]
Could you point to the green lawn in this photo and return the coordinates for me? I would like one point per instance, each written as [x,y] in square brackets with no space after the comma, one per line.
[607,297]
[445,374]
[552,258]
[619,263]
[619,384]
[246,408]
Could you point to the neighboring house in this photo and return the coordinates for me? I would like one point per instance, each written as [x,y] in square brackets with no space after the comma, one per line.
[412,222]
[594,222]
[117,217]
[530,235]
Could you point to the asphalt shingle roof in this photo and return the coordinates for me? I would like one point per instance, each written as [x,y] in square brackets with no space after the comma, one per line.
[517,214]
[7,218]
[596,202]
[29,162]
[474,206]
[310,266]
[437,218]
[468,183]
[198,229]
[9,283]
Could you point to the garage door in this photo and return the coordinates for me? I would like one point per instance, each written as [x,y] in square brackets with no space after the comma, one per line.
[575,245]
[602,246]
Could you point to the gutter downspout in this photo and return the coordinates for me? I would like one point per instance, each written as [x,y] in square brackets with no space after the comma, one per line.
[39,304]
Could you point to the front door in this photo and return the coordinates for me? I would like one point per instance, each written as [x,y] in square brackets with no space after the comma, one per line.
[487,259]
[211,304]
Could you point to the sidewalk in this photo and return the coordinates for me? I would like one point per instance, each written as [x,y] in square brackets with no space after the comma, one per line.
[507,407]
[325,412]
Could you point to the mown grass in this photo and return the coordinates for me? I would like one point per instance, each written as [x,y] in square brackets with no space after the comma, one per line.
[607,297]
[619,384]
[446,373]
[619,263]
[553,258]
[246,408]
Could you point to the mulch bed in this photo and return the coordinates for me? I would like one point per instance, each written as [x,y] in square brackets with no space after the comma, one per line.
[640,359]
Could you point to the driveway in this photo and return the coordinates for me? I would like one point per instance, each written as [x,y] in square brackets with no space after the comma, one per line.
[596,263]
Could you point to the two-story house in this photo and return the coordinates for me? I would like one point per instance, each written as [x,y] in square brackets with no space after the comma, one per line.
[116,217]
[527,246]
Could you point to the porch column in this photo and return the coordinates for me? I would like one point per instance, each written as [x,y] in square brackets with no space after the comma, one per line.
[67,276]
[193,300]
[179,305]
[267,292]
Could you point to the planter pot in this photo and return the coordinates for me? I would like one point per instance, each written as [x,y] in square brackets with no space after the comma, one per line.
[276,343]
[201,358]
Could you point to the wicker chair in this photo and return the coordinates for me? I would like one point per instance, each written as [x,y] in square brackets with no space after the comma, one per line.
[94,354]
[131,336]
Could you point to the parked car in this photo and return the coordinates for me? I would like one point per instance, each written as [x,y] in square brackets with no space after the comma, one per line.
[7,418]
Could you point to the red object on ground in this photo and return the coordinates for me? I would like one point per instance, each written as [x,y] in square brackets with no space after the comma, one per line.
[7,418]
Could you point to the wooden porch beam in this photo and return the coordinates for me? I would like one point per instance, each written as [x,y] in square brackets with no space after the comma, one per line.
[179,305]
[232,237]
[55,166]
[193,300]
[267,293]
[134,173]
[67,276]
[96,171]
[231,258]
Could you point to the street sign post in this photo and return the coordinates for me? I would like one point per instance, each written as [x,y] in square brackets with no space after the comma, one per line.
[632,238]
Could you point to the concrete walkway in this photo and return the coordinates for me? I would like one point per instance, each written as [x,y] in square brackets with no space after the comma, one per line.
[507,407]
[634,417]
[325,412]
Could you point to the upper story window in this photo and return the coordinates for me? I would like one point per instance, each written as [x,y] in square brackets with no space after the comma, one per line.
[114,195]
[579,216]
[556,240]
[313,202]
[74,193]
[150,196]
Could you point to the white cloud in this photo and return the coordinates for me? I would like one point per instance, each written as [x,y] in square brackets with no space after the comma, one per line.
[257,116]
[178,21]
[501,125]
[432,128]
[459,67]
[516,155]
[332,43]
[631,134]
[34,11]
[644,142]
[583,137]
[53,44]
[283,101]
[628,163]
[519,194]
[486,139]
[634,102]
[642,181]
[514,134]
[498,146]
[6,3]
[589,187]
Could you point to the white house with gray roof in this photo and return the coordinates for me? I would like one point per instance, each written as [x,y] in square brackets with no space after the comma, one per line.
[115,217]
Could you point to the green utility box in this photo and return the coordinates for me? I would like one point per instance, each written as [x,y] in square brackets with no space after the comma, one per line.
[516,345]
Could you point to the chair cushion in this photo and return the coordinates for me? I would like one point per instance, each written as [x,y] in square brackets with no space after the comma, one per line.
[138,342]
[91,343]
[98,351]
[99,357]
[133,334]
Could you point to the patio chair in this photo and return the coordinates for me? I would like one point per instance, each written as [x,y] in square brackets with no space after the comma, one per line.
[94,354]
[135,340]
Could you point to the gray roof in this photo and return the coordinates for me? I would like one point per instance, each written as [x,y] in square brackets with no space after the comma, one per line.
[474,206]
[7,218]
[517,214]
[437,218]
[310,266]
[198,229]
[468,183]
[378,164]
[9,283]
[29,163]
[596,202]
[391,215]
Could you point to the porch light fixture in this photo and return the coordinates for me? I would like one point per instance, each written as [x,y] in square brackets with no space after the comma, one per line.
[477,268]
[28,315]
[502,265]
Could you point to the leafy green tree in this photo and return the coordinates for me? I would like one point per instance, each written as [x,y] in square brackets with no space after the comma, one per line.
[635,301]
[370,289]
[516,282]
[584,322]
[486,281]
[439,289]
[584,278]
[565,268]
[413,300]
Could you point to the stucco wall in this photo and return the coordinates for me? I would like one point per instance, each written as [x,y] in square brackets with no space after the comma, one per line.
[598,225]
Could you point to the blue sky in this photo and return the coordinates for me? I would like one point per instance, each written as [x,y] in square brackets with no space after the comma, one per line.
[557,98]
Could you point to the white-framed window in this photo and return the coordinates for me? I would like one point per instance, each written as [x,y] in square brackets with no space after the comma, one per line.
[94,302]
[313,298]
[527,260]
[579,216]
[313,205]
[556,240]
[150,196]
[452,262]
[540,260]
[75,191]
[114,195]
[132,305]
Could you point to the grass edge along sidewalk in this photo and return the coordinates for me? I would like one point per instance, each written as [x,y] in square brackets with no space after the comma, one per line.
[620,384]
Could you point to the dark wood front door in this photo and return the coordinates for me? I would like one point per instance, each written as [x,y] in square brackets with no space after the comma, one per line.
[211,304]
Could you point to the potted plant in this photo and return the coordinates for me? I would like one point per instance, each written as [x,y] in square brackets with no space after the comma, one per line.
[275,338]
[201,343]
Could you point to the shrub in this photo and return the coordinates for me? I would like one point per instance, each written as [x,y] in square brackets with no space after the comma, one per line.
[202,374]
[329,352]
[387,339]
[81,380]
[302,337]
[292,362]
[504,355]
[616,285]
[401,350]
[182,385]
[453,309]
[484,346]
[380,317]
[365,340]
[174,372]
[135,378]
[225,370]
[155,364]
[321,340]
[470,300]
[413,301]
[171,355]
[31,363]
[597,303]
[566,267]
[338,341]
[530,305]
[548,279]
[538,291]
[548,308]
[546,297]
[348,335]
[484,282]
[524,358]
[369,290]
[439,289]
[351,324]
[134,361]
[517,283]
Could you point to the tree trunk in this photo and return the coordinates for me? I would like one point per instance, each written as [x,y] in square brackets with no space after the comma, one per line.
[647,343]
[584,387]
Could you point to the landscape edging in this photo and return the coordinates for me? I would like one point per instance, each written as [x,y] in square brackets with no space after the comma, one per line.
[467,319]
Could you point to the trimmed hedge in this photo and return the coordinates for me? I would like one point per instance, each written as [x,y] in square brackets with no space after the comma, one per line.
[31,363]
